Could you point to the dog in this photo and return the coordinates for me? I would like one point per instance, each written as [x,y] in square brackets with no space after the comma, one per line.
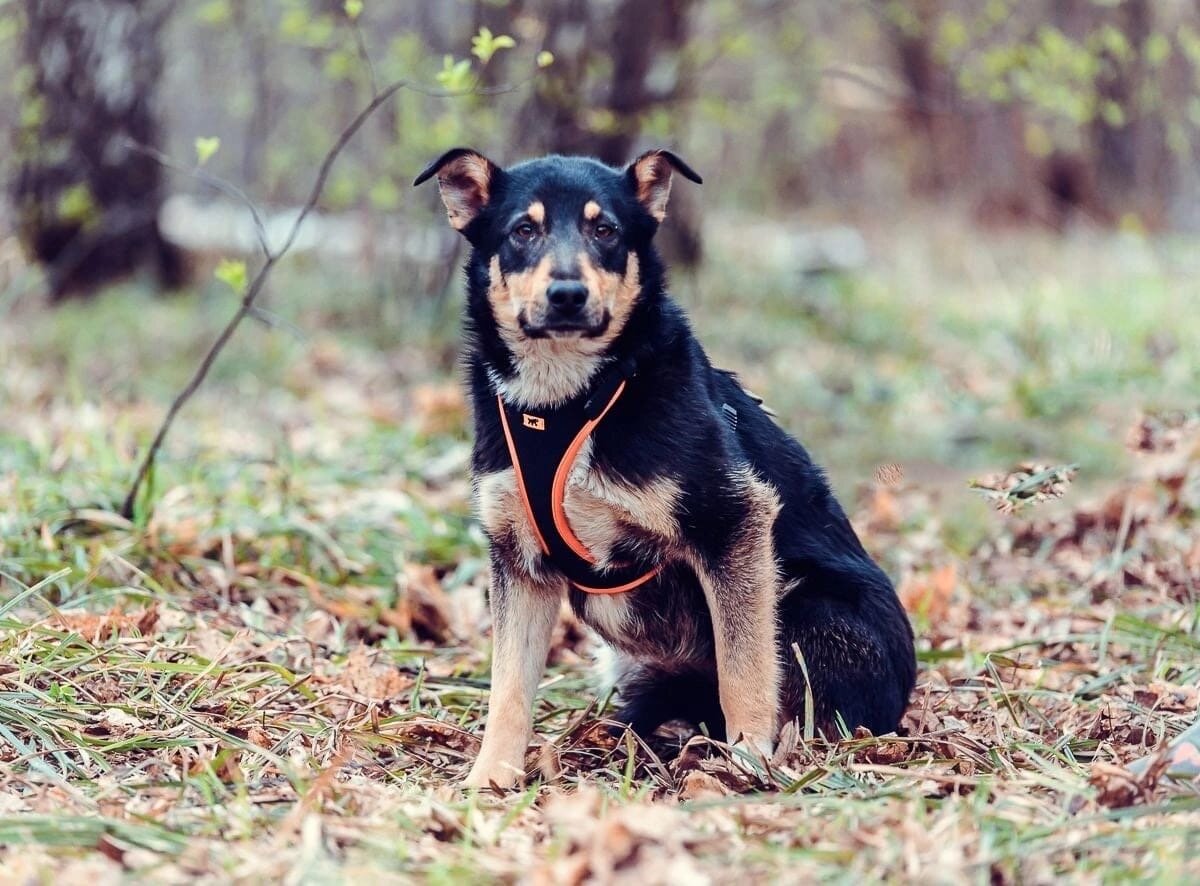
[614,464]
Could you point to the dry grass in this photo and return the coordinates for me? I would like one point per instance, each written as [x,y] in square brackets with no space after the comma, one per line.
[279,672]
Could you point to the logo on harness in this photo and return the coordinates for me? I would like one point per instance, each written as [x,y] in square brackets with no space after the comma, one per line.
[532,421]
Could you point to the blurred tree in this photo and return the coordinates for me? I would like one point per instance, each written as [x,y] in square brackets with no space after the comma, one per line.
[86,202]
[1046,111]
[616,63]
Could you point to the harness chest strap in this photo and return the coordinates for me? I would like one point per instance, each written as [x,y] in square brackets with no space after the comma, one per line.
[543,449]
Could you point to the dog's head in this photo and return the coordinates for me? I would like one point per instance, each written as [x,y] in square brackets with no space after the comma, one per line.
[559,236]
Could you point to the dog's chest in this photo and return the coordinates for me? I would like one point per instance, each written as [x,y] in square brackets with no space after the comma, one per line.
[606,512]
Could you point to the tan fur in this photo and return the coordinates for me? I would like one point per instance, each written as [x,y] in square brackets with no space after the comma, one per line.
[523,618]
[591,210]
[608,614]
[550,371]
[614,293]
[516,294]
[524,612]
[742,595]
[464,184]
[600,508]
[653,175]
[502,512]
[537,212]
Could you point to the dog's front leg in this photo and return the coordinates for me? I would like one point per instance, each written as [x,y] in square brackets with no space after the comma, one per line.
[523,616]
[735,561]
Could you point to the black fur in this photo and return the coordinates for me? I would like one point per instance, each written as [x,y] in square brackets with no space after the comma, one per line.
[835,604]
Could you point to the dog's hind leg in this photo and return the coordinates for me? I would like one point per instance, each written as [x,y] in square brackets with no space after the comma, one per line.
[857,649]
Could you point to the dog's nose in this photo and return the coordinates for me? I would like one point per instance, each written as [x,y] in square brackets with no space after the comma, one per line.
[567,297]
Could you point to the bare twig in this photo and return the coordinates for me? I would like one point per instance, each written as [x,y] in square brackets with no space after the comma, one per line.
[271,256]
[228,188]
[253,290]
[941,105]
[364,56]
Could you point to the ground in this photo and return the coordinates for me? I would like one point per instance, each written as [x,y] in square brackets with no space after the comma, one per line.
[277,669]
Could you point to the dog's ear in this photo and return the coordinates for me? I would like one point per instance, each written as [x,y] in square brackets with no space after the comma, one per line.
[650,176]
[466,179]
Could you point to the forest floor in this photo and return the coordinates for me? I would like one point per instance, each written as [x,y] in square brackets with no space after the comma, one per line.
[277,670]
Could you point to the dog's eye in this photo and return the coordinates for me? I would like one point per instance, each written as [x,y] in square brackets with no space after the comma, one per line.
[603,231]
[525,231]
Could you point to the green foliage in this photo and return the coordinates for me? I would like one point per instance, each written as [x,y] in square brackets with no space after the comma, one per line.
[214,12]
[455,74]
[485,44]
[76,205]
[232,272]
[1058,79]
[206,147]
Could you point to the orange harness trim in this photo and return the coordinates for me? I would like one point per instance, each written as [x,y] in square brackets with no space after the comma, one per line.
[516,462]
[559,524]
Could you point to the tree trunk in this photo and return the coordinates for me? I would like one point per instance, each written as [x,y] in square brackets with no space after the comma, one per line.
[87,203]
[1131,156]
[572,112]
[930,87]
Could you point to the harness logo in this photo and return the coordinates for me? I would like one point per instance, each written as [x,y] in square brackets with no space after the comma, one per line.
[532,421]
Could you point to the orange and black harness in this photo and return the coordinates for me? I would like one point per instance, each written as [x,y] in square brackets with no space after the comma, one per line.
[544,445]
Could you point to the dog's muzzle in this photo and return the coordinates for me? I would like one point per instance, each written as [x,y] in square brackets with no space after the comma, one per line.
[566,312]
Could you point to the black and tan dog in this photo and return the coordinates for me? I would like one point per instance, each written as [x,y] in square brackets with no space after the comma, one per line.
[612,462]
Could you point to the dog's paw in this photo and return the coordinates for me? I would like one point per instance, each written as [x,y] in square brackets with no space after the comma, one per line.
[504,776]
[752,754]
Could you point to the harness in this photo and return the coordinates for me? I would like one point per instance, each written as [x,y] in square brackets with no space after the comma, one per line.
[543,446]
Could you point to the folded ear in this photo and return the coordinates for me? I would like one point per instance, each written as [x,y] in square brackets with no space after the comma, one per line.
[465,178]
[650,175]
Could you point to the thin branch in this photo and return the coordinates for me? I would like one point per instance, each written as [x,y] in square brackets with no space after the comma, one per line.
[934,105]
[228,188]
[272,257]
[364,56]
[327,163]
[252,293]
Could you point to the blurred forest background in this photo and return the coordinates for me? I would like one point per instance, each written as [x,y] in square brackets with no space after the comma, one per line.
[934,156]
[941,237]
[1018,113]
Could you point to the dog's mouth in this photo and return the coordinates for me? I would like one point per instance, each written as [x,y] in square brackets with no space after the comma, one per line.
[561,328]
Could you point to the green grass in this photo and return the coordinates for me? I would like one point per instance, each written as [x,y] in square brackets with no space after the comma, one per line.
[279,668]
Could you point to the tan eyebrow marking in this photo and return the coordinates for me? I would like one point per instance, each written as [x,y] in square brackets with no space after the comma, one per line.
[536,211]
[591,210]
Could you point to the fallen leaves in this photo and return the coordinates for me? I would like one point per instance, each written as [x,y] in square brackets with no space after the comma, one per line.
[422,607]
[114,623]
[1117,787]
[1164,431]
[298,666]
[1027,484]
[367,675]
[929,593]
[633,844]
